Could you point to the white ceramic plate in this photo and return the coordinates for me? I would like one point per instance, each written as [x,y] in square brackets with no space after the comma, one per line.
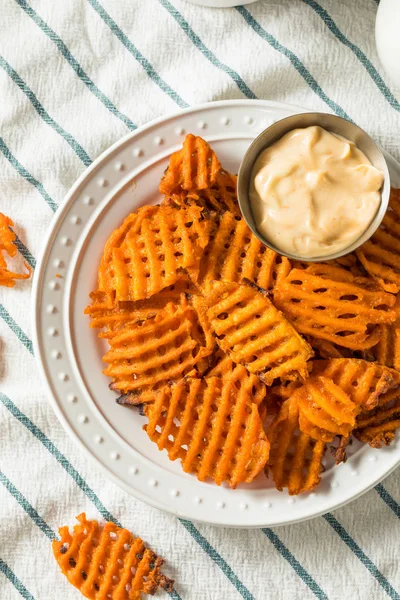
[69,353]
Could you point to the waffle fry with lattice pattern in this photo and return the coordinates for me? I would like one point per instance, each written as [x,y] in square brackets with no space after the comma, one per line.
[146,355]
[378,427]
[225,367]
[212,426]
[106,561]
[387,350]
[252,332]
[235,253]
[330,303]
[152,250]
[380,255]
[221,196]
[7,239]
[363,381]
[325,410]
[194,167]
[115,318]
[295,458]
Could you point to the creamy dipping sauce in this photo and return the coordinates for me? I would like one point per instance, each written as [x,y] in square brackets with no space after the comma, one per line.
[313,193]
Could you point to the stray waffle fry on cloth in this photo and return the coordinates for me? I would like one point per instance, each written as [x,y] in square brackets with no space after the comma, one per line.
[252,332]
[7,239]
[146,355]
[108,562]
[363,381]
[156,244]
[380,255]
[295,458]
[234,253]
[194,167]
[330,303]
[213,426]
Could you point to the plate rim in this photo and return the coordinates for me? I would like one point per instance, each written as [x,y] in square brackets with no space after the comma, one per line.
[36,290]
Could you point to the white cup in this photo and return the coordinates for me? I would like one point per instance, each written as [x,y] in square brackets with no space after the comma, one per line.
[387,35]
[220,3]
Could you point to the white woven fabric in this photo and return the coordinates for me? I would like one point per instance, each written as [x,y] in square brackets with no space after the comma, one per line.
[75,76]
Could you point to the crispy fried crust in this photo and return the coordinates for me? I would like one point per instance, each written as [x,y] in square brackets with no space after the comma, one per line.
[330,303]
[363,381]
[295,458]
[252,332]
[378,427]
[7,239]
[380,256]
[235,253]
[213,426]
[194,167]
[325,410]
[150,251]
[108,562]
[146,355]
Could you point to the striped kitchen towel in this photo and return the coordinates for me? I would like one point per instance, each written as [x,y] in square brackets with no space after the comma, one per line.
[76,76]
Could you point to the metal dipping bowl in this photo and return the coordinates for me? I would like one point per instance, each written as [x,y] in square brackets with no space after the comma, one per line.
[333,124]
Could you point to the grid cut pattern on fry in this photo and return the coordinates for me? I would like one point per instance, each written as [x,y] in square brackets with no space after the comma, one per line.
[378,427]
[330,303]
[114,318]
[151,254]
[108,562]
[325,410]
[146,355]
[387,350]
[222,195]
[380,255]
[295,458]
[252,332]
[363,381]
[7,239]
[235,253]
[325,349]
[212,426]
[194,167]
[225,367]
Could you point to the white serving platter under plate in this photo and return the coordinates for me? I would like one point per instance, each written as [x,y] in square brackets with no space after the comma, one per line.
[69,353]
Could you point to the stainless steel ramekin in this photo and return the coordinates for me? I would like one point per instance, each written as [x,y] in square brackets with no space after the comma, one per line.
[333,124]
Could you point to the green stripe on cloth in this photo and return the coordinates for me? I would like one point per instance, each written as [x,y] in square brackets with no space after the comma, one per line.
[294,563]
[15,328]
[51,34]
[217,558]
[19,586]
[173,11]
[22,249]
[364,60]
[387,498]
[28,508]
[142,60]
[366,561]
[296,62]
[76,147]
[26,175]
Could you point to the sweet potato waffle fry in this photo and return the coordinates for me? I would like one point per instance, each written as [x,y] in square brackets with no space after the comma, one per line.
[330,303]
[378,427]
[152,253]
[254,333]
[380,255]
[295,458]
[7,239]
[235,253]
[325,410]
[146,355]
[363,381]
[108,562]
[194,167]
[211,425]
